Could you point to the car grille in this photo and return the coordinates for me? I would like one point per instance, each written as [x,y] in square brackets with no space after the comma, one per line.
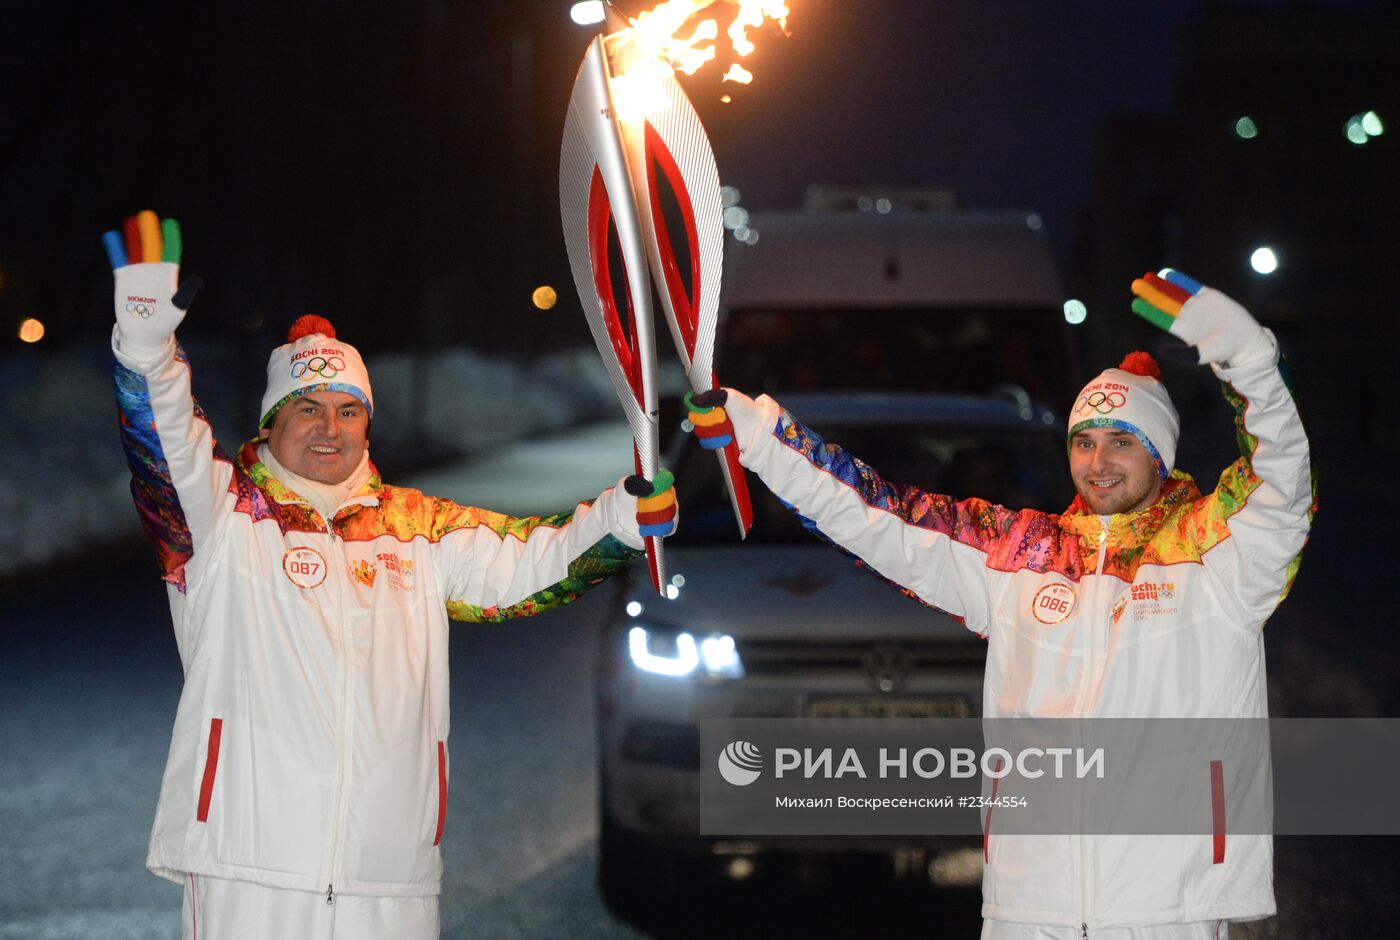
[779,659]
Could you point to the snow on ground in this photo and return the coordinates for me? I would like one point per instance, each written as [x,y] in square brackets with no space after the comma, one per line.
[67,486]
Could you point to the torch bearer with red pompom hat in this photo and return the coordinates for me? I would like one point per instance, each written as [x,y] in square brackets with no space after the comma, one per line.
[1131,398]
[313,359]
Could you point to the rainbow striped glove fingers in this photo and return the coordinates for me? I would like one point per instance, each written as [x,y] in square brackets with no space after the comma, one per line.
[1160,297]
[145,259]
[712,425]
[656,503]
[1221,330]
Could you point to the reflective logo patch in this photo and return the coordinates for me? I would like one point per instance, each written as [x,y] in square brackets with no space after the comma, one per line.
[1053,603]
[304,567]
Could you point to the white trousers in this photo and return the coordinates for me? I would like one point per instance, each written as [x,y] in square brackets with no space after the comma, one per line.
[1199,930]
[220,909]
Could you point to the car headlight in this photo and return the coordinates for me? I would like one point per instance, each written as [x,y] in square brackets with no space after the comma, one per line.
[681,654]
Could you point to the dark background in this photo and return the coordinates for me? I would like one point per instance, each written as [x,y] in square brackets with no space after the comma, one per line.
[394,165]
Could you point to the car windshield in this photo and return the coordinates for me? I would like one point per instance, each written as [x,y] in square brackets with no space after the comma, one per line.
[1017,469]
[779,350]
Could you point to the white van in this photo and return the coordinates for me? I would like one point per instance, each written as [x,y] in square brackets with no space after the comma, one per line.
[893,290]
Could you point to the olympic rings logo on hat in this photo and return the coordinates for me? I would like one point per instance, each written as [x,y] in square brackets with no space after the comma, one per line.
[1102,402]
[144,311]
[327,367]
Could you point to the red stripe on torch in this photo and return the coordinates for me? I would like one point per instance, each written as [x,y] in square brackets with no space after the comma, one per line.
[657,154]
[624,346]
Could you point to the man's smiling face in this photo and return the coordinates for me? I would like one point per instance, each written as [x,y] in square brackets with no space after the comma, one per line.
[1112,471]
[320,435]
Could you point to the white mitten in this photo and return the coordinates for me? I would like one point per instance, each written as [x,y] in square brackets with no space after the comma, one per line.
[1222,331]
[150,302]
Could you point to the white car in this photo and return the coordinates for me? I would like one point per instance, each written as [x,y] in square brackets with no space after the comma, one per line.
[783,626]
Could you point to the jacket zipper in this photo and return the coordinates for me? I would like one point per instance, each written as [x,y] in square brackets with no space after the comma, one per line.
[1090,660]
[346,658]
[346,712]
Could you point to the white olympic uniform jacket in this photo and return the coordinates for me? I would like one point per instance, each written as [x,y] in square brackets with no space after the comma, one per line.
[310,745]
[1150,614]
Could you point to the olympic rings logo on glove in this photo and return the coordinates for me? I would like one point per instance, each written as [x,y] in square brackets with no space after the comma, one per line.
[144,311]
[323,366]
[1102,402]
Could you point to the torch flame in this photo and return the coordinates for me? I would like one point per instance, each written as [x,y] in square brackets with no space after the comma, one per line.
[653,42]
[737,73]
[752,14]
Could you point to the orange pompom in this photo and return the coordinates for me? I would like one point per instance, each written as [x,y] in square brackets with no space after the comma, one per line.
[309,325]
[1141,363]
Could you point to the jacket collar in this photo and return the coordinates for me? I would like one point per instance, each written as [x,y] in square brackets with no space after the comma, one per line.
[284,496]
[1130,530]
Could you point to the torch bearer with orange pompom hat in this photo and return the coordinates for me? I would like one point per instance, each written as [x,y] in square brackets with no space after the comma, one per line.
[313,359]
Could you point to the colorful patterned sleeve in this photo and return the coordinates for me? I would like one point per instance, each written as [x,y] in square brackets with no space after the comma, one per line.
[1253,527]
[167,438]
[502,567]
[937,549]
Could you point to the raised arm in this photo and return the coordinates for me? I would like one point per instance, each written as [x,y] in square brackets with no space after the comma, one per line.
[1254,525]
[177,471]
[497,567]
[936,548]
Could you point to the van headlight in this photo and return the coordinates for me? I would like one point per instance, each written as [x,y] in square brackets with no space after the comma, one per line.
[681,654]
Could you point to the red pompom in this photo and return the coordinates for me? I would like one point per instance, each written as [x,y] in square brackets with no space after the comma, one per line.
[310,325]
[1141,363]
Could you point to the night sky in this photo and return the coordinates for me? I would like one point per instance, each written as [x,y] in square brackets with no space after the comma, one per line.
[394,165]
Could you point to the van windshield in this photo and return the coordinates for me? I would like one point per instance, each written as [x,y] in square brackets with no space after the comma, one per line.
[941,349]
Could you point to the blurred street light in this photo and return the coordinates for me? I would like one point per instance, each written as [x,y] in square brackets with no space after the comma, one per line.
[1264,261]
[31,331]
[587,13]
[1355,132]
[1245,128]
[1362,127]
[1075,311]
[544,297]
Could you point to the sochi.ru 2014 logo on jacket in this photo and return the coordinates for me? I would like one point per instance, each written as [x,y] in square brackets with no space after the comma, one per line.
[1150,598]
[400,570]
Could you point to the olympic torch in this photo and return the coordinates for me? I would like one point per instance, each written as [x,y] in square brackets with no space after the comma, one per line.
[594,190]
[629,120]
